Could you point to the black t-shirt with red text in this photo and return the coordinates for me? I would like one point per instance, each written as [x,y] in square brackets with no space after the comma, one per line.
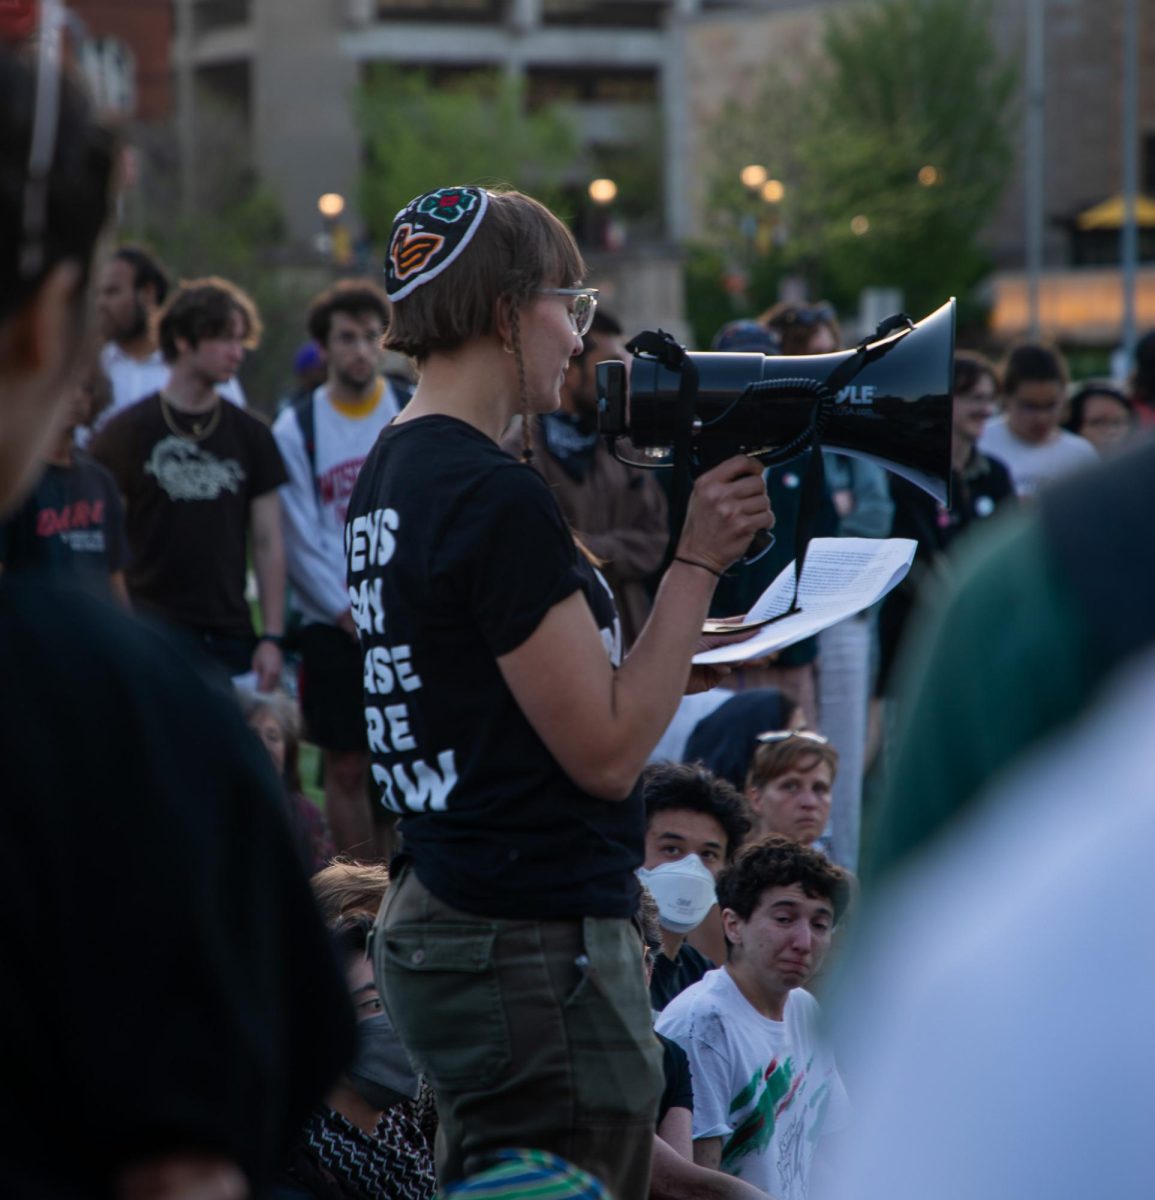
[72,521]
[455,553]
[189,500]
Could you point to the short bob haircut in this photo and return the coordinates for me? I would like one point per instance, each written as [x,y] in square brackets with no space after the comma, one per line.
[354,297]
[776,861]
[773,759]
[201,309]
[518,247]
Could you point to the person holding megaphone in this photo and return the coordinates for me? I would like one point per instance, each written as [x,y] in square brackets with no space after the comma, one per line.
[503,727]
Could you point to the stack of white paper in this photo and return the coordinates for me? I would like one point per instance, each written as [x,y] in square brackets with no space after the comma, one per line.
[841,576]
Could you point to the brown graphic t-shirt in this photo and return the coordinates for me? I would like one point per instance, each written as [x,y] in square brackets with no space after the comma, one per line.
[188,498]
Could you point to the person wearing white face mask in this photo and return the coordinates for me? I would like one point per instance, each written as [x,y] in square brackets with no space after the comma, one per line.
[695,824]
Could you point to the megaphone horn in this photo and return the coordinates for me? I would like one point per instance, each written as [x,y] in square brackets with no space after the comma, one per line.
[887,401]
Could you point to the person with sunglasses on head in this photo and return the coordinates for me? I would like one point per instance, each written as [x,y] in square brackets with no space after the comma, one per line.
[143,855]
[790,784]
[502,728]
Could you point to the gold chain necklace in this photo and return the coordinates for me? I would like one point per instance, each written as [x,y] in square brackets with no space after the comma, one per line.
[198,433]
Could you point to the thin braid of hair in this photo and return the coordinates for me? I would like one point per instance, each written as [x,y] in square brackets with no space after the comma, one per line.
[523,389]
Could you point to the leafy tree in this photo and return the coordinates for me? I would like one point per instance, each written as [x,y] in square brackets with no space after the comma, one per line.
[236,230]
[421,135]
[903,85]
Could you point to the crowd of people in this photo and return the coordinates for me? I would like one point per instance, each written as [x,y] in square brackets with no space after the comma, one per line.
[571,895]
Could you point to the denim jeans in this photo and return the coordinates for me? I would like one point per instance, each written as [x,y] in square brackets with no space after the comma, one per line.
[532,1033]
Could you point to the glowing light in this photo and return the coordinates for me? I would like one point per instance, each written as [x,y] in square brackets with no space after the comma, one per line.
[929,175]
[753,176]
[860,225]
[773,190]
[331,204]
[603,191]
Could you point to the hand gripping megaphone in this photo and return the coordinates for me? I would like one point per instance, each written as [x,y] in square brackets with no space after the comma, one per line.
[888,400]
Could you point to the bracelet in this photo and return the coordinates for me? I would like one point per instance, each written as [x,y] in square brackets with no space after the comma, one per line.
[693,562]
[276,638]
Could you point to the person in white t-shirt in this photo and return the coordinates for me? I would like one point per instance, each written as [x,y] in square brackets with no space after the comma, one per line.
[1027,436]
[767,1094]
[324,438]
[131,288]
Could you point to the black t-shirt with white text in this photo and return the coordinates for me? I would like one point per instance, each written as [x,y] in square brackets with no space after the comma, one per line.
[456,552]
[72,520]
[189,501]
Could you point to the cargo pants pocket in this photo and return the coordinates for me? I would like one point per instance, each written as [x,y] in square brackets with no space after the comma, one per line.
[443,995]
[617,1060]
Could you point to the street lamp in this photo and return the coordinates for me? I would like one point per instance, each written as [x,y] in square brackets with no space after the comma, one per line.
[753,176]
[603,191]
[773,190]
[331,205]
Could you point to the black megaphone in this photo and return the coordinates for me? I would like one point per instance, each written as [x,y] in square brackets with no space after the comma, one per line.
[888,401]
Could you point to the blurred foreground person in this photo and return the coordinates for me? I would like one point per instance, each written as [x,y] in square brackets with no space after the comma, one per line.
[997,1017]
[501,726]
[165,975]
[1040,611]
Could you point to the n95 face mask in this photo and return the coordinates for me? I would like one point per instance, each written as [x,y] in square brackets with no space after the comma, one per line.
[683,890]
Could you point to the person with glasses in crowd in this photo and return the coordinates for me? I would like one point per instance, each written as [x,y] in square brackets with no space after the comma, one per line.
[504,725]
[1101,413]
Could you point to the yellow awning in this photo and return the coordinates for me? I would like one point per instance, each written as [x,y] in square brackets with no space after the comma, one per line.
[1110,213]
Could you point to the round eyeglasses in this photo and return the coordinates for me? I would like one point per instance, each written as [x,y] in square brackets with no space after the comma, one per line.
[581,311]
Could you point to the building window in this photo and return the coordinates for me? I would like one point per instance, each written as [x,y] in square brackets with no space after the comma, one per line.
[440,10]
[559,85]
[620,14]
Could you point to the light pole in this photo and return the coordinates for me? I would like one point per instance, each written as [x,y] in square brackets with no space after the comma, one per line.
[1129,235]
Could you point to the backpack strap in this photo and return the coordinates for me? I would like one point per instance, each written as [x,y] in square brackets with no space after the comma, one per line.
[306,416]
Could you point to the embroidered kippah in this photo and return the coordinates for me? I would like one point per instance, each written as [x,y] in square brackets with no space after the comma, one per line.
[428,234]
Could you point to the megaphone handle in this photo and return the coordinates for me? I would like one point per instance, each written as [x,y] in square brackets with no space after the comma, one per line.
[761,543]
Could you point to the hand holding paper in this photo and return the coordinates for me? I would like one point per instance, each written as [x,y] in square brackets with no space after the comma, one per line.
[841,577]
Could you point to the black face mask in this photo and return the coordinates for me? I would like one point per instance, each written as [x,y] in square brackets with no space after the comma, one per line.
[382,1074]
